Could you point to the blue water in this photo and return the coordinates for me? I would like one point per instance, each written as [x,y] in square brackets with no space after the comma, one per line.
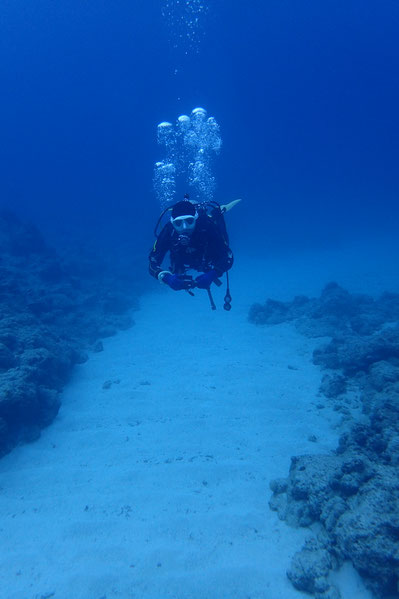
[306,95]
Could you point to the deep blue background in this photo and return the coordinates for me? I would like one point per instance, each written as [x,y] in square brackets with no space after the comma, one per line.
[306,94]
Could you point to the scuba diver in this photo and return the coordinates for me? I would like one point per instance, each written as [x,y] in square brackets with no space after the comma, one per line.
[196,239]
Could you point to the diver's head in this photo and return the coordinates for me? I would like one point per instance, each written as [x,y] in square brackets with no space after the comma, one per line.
[184,217]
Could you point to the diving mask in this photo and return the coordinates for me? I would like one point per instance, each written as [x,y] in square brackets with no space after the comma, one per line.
[184,223]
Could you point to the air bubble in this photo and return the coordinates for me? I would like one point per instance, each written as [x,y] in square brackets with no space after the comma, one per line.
[185,22]
[190,148]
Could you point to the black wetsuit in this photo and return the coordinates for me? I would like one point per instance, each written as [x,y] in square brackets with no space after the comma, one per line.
[204,249]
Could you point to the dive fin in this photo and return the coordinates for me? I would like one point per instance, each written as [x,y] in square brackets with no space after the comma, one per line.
[227,207]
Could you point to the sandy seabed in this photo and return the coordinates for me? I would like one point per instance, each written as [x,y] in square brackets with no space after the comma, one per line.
[153,482]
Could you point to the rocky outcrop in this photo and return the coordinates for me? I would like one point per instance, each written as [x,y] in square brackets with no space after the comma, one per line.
[351,496]
[53,309]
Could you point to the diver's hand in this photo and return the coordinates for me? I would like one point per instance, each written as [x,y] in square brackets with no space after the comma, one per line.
[175,282]
[204,281]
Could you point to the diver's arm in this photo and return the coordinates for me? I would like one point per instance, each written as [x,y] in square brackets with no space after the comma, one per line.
[158,252]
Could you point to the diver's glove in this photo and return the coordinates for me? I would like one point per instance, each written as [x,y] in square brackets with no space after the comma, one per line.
[204,281]
[175,282]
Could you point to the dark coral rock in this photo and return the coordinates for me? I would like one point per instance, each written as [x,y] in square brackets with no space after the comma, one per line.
[49,404]
[4,436]
[272,312]
[7,358]
[382,373]
[279,485]
[51,307]
[332,511]
[335,301]
[18,398]
[309,488]
[336,311]
[314,328]
[368,533]
[45,367]
[388,307]
[353,464]
[357,438]
[353,494]
[18,238]
[310,568]
[333,386]
[352,354]
[359,508]
[347,484]
[7,338]
[392,450]
[375,439]
[366,324]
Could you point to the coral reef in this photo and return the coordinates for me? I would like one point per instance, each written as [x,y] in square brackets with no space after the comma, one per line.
[352,496]
[53,309]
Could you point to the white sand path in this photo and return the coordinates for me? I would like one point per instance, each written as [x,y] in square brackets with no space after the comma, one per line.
[158,486]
